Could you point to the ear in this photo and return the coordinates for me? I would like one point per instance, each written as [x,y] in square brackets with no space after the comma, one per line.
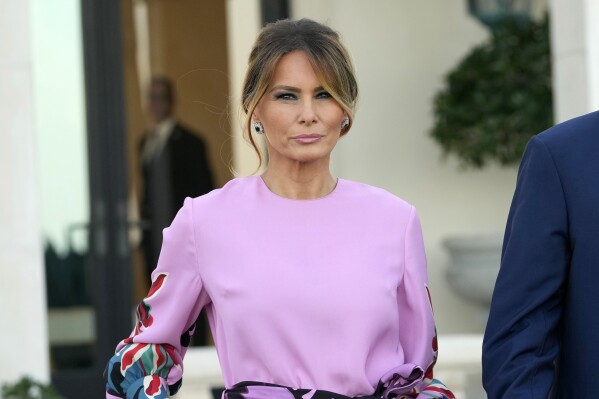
[256,114]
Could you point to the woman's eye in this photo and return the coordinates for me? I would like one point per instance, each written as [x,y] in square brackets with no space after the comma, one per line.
[324,94]
[285,96]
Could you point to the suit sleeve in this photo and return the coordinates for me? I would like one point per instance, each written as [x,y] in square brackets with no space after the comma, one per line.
[149,364]
[198,171]
[521,339]
[205,178]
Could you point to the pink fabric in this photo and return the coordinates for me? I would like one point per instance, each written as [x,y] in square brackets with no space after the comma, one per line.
[327,294]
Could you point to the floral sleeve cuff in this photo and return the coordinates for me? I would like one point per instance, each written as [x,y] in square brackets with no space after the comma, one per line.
[409,381]
[140,371]
[149,387]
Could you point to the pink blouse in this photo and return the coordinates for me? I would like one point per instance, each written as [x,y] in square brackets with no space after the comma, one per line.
[328,294]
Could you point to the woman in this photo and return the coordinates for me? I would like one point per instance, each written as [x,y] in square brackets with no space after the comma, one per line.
[314,286]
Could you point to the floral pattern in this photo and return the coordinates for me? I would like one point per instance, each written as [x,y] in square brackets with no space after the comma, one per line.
[143,313]
[142,370]
[157,285]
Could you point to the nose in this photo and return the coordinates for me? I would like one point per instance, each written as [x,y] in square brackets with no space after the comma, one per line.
[308,114]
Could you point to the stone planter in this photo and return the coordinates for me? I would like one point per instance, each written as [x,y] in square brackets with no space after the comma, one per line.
[474,264]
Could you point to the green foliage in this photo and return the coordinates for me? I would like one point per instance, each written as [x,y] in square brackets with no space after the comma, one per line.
[498,97]
[26,388]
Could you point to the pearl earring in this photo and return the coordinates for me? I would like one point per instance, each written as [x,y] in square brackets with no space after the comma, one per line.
[345,123]
[258,128]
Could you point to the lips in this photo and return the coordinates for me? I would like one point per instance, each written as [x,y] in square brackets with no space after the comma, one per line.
[307,138]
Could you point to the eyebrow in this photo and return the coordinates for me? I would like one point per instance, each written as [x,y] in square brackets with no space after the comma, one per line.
[292,89]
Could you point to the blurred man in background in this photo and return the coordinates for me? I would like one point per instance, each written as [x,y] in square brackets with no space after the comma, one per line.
[174,166]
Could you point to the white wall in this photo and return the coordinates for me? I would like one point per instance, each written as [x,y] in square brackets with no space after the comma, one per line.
[243,23]
[23,337]
[402,50]
[575,57]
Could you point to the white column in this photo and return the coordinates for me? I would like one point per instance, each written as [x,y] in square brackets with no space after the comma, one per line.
[574,38]
[24,342]
[243,24]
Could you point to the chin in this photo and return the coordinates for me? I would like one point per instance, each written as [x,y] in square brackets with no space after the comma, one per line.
[311,155]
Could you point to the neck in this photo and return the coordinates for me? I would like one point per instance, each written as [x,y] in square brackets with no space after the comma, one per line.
[301,181]
[157,122]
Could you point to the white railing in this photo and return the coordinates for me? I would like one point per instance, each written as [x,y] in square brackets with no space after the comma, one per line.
[202,372]
[458,367]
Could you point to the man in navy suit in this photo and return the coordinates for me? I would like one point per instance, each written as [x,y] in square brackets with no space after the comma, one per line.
[543,332]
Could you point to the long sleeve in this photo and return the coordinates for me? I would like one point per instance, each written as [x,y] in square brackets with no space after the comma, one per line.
[418,335]
[521,339]
[149,364]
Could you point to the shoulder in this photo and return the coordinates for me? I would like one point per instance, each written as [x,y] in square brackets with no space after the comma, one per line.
[570,148]
[183,134]
[580,131]
[142,140]
[183,129]
[375,198]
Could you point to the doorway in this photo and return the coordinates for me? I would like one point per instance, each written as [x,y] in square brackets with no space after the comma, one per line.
[93,261]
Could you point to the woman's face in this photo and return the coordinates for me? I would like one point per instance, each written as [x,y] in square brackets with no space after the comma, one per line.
[302,121]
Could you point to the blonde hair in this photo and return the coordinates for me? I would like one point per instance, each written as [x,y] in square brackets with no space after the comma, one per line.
[328,56]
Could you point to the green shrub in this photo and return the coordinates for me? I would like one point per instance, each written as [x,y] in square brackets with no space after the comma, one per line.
[497,97]
[26,388]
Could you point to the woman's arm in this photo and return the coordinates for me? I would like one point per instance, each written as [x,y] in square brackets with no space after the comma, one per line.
[417,333]
[149,364]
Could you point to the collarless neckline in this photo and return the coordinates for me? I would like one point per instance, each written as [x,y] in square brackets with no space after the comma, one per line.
[270,193]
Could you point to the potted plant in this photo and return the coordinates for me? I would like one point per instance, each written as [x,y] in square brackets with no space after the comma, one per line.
[27,388]
[497,97]
[493,102]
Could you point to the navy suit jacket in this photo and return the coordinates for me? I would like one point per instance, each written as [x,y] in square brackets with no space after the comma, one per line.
[542,337]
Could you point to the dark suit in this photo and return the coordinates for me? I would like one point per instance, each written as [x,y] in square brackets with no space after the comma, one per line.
[179,170]
[543,331]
